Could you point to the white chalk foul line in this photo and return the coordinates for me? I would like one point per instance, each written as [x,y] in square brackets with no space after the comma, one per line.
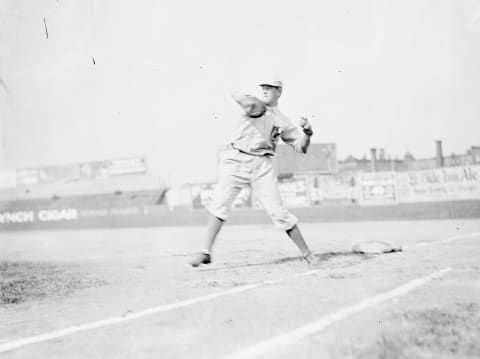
[295,335]
[446,240]
[132,316]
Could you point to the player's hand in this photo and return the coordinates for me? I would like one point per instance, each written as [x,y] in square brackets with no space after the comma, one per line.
[306,126]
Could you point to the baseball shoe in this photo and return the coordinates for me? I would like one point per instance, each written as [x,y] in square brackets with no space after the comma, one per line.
[201,258]
[312,259]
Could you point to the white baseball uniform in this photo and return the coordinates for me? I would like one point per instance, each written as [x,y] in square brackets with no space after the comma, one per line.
[249,163]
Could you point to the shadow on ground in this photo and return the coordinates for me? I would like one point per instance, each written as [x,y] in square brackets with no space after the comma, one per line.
[325,258]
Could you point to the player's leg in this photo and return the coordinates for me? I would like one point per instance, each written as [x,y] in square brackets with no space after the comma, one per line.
[265,187]
[297,238]
[213,228]
[230,184]
[219,208]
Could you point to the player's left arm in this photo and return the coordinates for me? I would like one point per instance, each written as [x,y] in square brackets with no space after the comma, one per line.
[298,138]
[252,106]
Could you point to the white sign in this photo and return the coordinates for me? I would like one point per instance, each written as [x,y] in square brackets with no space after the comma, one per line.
[50,215]
[16,217]
[440,184]
[127,166]
[377,188]
[293,192]
[332,188]
[8,179]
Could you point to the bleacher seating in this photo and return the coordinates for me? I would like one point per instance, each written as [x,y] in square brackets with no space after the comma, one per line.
[121,191]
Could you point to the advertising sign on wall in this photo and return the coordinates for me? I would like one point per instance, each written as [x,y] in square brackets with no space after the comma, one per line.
[127,166]
[202,196]
[440,184]
[377,188]
[88,170]
[17,218]
[59,174]
[28,176]
[180,197]
[332,189]
[8,179]
[110,168]
[294,192]
[44,215]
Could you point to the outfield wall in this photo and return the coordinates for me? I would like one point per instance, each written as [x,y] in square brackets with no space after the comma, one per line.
[366,189]
[161,215]
[442,193]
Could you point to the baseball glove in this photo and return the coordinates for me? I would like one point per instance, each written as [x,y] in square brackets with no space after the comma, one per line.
[254,107]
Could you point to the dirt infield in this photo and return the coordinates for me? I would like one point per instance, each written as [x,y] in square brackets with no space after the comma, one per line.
[128,293]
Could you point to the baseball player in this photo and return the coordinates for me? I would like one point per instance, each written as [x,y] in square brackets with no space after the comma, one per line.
[249,162]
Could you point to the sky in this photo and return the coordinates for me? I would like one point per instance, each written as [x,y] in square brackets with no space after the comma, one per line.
[152,78]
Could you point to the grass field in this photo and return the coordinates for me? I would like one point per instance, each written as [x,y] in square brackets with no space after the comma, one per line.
[128,293]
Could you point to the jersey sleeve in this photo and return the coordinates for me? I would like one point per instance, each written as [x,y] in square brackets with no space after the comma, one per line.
[293,136]
[245,101]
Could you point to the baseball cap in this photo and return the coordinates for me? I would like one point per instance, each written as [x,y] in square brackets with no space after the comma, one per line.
[272,81]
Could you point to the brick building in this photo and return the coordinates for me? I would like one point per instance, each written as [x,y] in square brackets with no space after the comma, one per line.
[382,163]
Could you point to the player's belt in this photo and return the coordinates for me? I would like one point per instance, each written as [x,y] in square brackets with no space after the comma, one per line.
[248,153]
[239,150]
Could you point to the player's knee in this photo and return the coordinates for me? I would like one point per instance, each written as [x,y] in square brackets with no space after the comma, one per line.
[283,219]
[221,212]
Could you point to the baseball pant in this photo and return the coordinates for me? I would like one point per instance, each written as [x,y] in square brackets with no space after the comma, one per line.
[238,170]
